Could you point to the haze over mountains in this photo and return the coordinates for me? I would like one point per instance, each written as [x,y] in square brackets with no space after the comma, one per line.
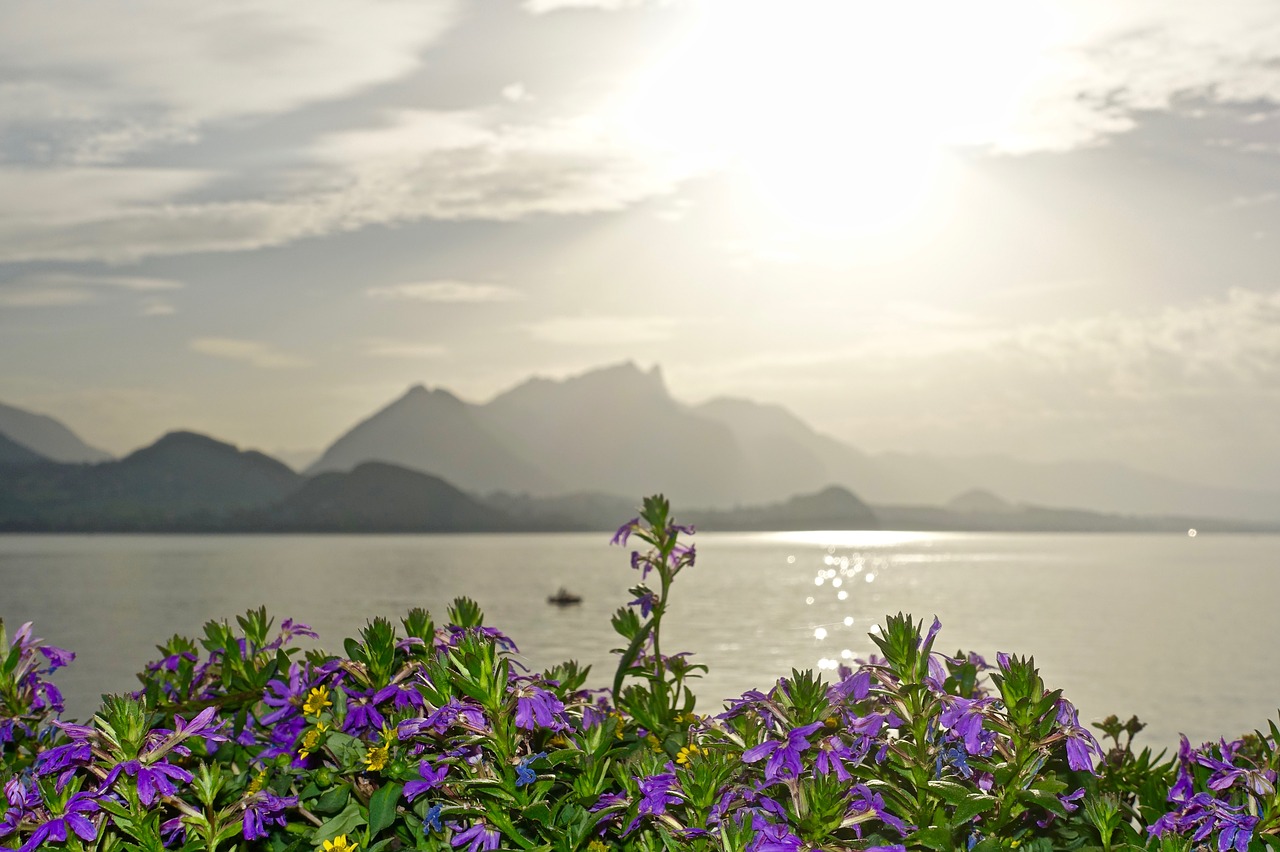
[575,449]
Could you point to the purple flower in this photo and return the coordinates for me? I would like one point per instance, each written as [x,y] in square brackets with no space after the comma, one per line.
[624,532]
[772,838]
[154,781]
[655,794]
[73,818]
[57,657]
[856,685]
[865,802]
[455,712]
[963,718]
[1081,746]
[645,602]
[265,808]
[432,777]
[784,757]
[833,754]
[539,709]
[362,714]
[402,696]
[478,837]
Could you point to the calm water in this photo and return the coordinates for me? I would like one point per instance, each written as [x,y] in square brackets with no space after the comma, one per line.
[1179,630]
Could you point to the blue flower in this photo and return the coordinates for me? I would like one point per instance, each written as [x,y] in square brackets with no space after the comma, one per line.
[524,774]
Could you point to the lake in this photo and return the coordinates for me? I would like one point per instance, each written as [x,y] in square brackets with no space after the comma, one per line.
[1180,630]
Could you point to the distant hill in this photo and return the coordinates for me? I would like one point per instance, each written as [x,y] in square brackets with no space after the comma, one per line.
[378,497]
[46,437]
[182,480]
[832,508]
[617,430]
[434,432]
[979,501]
[11,452]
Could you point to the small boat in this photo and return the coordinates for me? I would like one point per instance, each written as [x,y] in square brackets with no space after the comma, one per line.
[564,598]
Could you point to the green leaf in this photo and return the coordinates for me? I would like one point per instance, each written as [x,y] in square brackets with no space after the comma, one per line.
[344,823]
[333,800]
[382,807]
[972,806]
[949,791]
[935,837]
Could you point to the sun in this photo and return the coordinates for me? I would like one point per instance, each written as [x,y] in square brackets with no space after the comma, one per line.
[838,114]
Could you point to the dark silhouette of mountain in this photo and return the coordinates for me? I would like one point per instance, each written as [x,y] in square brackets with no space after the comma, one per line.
[47,437]
[13,453]
[832,508]
[378,497]
[580,511]
[618,430]
[184,480]
[434,432]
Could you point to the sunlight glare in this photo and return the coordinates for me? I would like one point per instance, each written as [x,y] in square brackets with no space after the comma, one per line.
[837,113]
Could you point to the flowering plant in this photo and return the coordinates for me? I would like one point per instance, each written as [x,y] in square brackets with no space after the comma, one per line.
[432,737]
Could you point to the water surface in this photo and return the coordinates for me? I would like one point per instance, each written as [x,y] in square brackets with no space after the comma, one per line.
[1179,630]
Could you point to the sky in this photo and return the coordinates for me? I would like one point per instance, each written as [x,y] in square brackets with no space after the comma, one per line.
[1043,228]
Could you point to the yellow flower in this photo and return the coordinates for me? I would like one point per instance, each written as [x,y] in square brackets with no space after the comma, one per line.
[317,700]
[654,742]
[258,783]
[376,759]
[597,846]
[339,844]
[687,753]
[311,739]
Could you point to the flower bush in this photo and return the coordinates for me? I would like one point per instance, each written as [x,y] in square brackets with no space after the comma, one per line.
[432,737]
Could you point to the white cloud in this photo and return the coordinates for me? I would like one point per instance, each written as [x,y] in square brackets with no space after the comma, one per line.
[420,165]
[603,330]
[446,291]
[252,352]
[180,64]
[65,289]
[471,165]
[1112,61]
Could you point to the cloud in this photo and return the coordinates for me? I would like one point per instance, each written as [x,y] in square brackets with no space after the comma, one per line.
[472,165]
[460,165]
[253,352]
[603,330]
[404,349]
[446,291]
[117,76]
[43,290]
[1118,61]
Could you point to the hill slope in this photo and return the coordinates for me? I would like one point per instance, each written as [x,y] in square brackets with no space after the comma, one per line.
[46,436]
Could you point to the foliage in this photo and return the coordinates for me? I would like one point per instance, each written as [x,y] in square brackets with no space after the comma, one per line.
[431,737]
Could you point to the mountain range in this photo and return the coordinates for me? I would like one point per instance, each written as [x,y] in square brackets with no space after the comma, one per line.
[568,449]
